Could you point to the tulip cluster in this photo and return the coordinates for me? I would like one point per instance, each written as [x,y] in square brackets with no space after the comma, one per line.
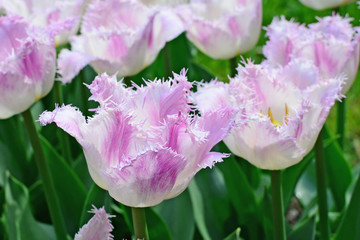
[145,143]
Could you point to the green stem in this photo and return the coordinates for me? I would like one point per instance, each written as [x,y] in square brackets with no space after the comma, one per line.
[139,221]
[44,171]
[63,137]
[341,120]
[321,188]
[277,206]
[233,66]
[167,61]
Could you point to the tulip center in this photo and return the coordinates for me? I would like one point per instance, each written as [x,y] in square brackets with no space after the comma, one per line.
[275,122]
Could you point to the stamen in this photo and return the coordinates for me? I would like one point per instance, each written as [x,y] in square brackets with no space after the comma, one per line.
[286,114]
[273,121]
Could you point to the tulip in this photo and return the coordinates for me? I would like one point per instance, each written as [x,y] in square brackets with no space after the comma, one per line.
[324,4]
[164,2]
[332,44]
[62,15]
[27,65]
[98,227]
[223,29]
[280,111]
[119,37]
[144,144]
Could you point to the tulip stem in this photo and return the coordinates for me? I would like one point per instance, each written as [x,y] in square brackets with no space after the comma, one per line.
[277,206]
[321,188]
[341,120]
[139,222]
[63,138]
[44,171]
[233,65]
[167,61]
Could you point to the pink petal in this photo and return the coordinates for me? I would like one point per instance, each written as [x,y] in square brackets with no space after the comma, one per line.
[99,227]
[70,64]
[148,180]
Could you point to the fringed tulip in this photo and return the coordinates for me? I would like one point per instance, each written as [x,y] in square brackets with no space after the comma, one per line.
[64,15]
[27,65]
[280,111]
[99,227]
[119,37]
[332,44]
[223,29]
[144,144]
[324,4]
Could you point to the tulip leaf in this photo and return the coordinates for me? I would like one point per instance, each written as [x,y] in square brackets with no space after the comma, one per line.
[304,231]
[97,197]
[338,171]
[19,220]
[234,235]
[14,151]
[349,228]
[156,226]
[291,176]
[218,208]
[181,208]
[199,209]
[70,190]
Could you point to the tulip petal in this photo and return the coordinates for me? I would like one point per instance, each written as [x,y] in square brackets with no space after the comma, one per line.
[98,227]
[148,180]
[70,64]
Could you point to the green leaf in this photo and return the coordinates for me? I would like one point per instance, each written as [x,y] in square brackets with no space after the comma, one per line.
[234,235]
[14,151]
[304,231]
[70,190]
[199,209]
[156,226]
[240,191]
[19,220]
[338,171]
[97,197]
[291,177]
[174,211]
[268,217]
[218,208]
[350,225]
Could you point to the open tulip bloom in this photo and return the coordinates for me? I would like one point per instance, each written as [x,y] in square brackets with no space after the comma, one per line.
[332,44]
[119,37]
[223,29]
[286,109]
[27,64]
[64,15]
[324,4]
[144,145]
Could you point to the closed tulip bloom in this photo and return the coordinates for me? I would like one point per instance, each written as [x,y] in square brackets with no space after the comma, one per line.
[280,111]
[27,65]
[99,227]
[223,29]
[119,37]
[324,4]
[144,145]
[64,15]
[332,44]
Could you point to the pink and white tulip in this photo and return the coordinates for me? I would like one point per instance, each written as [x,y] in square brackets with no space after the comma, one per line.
[99,227]
[223,29]
[324,4]
[332,44]
[280,111]
[119,37]
[64,15]
[144,145]
[27,65]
